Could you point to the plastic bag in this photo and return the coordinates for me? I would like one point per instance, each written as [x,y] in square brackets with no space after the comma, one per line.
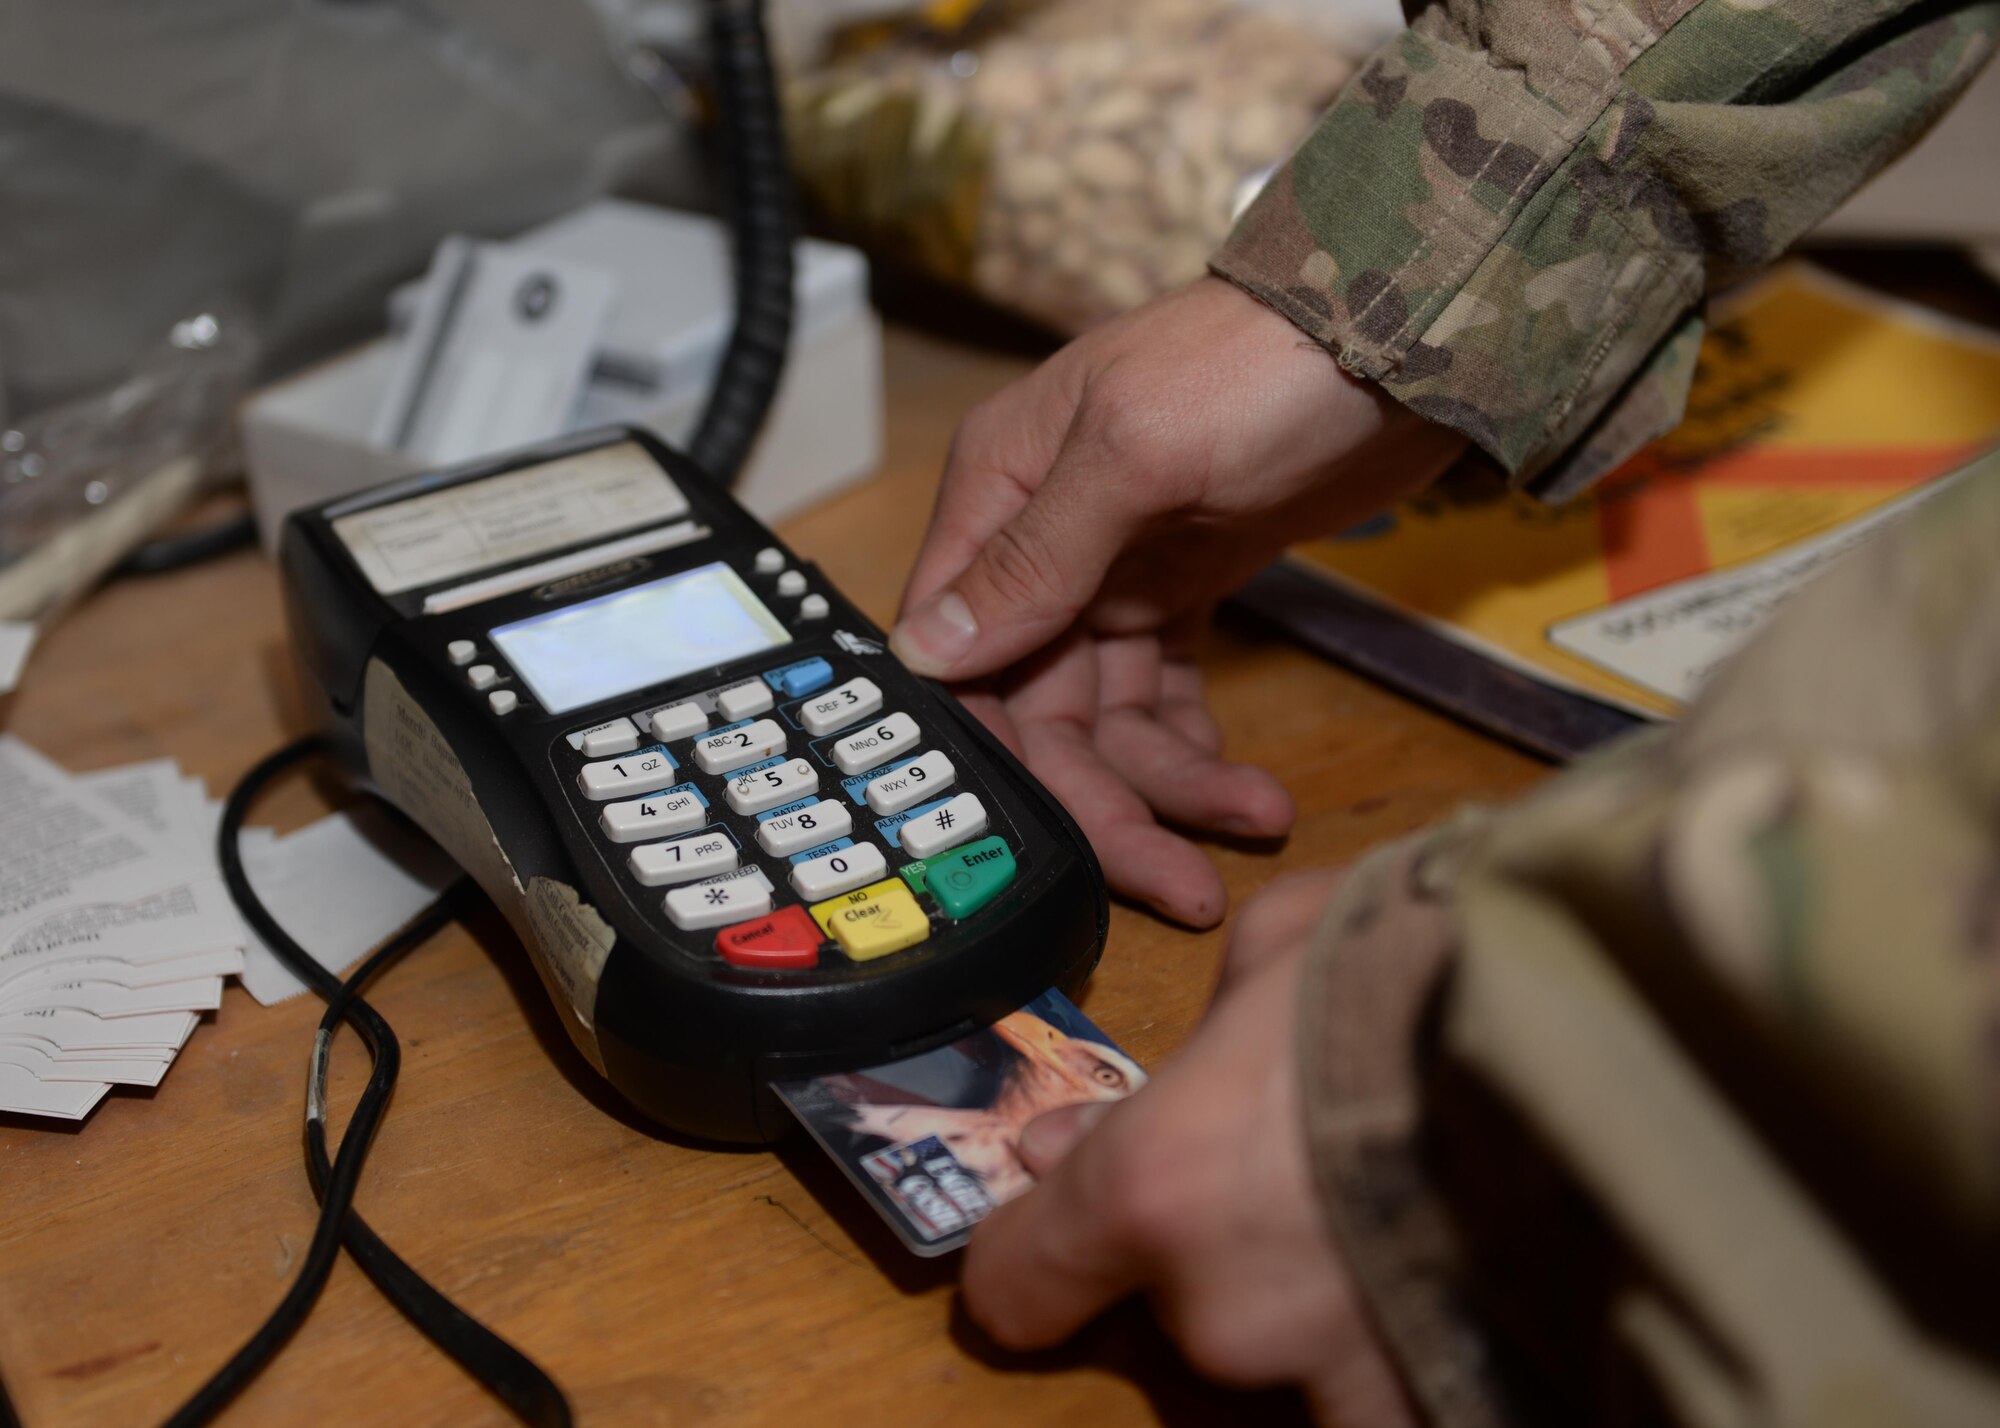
[1083,157]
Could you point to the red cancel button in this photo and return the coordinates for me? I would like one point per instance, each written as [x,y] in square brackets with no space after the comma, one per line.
[788,938]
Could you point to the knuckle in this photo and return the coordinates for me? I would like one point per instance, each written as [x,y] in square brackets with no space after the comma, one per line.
[1149,1210]
[1222,1345]
[1022,574]
[1129,429]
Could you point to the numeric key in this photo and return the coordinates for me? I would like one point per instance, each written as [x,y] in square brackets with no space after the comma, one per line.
[911,784]
[837,872]
[647,769]
[682,860]
[767,788]
[837,708]
[877,743]
[732,748]
[818,822]
[677,810]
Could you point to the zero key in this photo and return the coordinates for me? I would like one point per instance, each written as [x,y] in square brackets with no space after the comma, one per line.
[787,939]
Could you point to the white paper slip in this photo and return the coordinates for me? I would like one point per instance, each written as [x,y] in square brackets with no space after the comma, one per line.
[24,1094]
[148,793]
[116,1071]
[107,999]
[135,976]
[77,877]
[63,1030]
[338,887]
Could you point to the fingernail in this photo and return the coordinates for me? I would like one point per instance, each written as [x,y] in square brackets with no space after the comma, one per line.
[936,635]
[1049,1137]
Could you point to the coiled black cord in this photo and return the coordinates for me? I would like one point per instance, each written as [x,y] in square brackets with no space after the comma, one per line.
[510,1375]
[758,182]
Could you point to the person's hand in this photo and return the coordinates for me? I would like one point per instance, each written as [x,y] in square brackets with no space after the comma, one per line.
[1197,1192]
[1089,517]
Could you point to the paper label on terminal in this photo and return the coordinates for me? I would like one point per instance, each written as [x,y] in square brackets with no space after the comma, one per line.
[574,940]
[444,534]
[418,772]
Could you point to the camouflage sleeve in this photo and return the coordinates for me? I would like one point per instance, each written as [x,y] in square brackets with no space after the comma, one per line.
[1704,1120]
[1512,213]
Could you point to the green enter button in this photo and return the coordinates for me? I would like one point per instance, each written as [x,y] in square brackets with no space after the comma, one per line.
[966,879]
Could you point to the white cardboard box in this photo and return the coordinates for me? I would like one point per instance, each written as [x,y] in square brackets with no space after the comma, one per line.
[306,438]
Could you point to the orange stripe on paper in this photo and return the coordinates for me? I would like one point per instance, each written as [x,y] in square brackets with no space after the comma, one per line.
[1824,467]
[1651,534]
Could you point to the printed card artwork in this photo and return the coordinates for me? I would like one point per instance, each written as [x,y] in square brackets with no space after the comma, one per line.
[931,1139]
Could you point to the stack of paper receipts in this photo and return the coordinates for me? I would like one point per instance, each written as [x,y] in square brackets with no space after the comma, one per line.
[116,931]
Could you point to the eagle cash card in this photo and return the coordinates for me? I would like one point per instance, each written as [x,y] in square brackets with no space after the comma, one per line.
[931,1139]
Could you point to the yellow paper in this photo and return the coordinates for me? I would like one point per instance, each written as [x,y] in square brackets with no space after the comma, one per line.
[1814,404]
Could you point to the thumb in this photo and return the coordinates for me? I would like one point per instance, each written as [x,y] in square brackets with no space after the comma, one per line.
[1026,584]
[1049,1137]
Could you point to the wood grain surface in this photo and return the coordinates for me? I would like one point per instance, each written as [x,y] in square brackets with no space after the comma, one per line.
[659,1283]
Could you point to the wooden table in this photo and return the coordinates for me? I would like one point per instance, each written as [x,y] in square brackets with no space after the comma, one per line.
[658,1283]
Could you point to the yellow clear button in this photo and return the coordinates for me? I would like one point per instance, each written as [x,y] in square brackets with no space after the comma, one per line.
[874,921]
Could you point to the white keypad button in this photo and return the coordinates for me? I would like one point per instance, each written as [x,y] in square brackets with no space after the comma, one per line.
[614,736]
[767,788]
[959,821]
[718,902]
[503,701]
[837,708]
[792,582]
[740,701]
[658,817]
[647,769]
[461,651]
[913,783]
[733,748]
[813,607]
[817,823]
[682,860]
[877,743]
[833,873]
[770,560]
[483,676]
[677,721]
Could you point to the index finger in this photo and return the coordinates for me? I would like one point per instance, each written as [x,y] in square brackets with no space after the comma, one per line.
[1001,451]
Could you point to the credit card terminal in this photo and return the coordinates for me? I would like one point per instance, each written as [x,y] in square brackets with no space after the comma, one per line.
[741,842]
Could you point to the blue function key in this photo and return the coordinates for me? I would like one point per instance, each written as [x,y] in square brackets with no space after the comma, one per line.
[796,681]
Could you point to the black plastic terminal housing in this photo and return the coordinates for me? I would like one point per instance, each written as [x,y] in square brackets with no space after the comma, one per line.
[691,1040]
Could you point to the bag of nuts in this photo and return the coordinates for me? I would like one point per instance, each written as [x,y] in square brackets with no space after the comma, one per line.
[1082,157]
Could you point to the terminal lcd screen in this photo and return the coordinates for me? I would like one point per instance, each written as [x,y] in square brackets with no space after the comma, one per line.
[645,635]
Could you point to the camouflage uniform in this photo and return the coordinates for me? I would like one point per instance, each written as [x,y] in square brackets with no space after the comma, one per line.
[1702,1122]
[1511,215]
[1672,1093]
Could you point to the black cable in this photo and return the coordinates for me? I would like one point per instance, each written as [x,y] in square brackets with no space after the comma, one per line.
[513,1378]
[156,557]
[758,181]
